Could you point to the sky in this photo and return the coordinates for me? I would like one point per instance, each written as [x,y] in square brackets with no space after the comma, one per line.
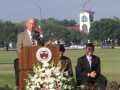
[20,10]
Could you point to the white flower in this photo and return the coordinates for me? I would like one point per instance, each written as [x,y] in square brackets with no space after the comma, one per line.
[48,72]
[47,76]
[33,87]
[45,64]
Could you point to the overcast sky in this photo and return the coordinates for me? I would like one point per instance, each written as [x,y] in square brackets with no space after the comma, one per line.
[19,10]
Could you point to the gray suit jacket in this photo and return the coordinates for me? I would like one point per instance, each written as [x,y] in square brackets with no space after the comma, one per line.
[23,40]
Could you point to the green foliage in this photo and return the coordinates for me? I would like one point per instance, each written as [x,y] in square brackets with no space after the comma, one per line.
[104,29]
[55,29]
[9,31]
[108,28]
[68,22]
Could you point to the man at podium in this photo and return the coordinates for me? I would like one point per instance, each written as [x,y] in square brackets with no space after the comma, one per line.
[24,39]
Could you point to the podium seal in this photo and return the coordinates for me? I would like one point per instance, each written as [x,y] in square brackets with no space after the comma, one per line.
[44,55]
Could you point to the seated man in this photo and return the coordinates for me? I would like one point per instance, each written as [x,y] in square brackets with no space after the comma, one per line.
[88,70]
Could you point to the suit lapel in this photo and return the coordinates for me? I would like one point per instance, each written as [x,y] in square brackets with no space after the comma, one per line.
[93,62]
[86,62]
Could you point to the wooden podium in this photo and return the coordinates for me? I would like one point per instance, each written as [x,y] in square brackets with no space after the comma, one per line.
[27,59]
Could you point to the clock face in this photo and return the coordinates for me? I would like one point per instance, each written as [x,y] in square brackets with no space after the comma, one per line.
[44,55]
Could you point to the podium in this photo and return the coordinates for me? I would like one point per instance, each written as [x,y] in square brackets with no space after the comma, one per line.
[27,59]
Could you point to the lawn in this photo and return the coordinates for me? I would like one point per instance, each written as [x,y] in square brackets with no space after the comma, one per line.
[110,61]
[110,64]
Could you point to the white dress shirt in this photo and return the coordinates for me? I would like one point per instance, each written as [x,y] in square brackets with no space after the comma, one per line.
[89,58]
[30,34]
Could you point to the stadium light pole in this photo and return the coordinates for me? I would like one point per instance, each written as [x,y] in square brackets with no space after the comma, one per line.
[40,9]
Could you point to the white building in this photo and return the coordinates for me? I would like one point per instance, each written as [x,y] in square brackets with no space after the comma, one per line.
[86,17]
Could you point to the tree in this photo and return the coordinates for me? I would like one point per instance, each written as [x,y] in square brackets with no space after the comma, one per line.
[104,29]
[54,29]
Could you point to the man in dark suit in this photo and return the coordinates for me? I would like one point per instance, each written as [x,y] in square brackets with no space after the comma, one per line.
[88,70]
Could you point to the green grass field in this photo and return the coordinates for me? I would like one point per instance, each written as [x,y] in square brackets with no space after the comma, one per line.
[110,64]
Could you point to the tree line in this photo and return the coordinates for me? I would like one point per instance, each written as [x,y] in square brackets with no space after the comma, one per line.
[103,29]
[9,31]
[107,29]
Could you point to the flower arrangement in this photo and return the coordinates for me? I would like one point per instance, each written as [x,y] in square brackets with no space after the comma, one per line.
[48,77]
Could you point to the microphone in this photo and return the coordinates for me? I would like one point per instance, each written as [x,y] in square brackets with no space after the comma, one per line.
[37,35]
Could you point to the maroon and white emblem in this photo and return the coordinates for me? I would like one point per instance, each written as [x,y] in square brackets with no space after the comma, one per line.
[43,54]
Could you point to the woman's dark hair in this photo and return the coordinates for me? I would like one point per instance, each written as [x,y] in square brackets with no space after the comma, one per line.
[62,48]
